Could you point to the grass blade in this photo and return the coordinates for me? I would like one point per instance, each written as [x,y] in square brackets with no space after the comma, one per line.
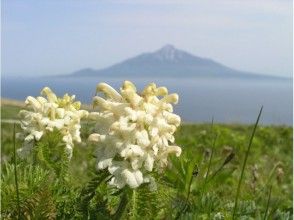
[15,172]
[210,160]
[186,200]
[268,201]
[211,154]
[244,164]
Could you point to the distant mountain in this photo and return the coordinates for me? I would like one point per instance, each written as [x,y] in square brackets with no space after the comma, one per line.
[168,61]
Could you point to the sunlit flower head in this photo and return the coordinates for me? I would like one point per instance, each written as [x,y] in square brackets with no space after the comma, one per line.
[134,132]
[47,113]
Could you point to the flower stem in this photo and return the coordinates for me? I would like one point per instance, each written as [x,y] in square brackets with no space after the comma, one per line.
[244,164]
[134,203]
[121,208]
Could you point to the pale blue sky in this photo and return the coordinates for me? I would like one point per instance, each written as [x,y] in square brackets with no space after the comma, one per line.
[61,36]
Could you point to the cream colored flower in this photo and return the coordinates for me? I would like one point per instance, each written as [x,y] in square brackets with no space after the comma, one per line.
[134,132]
[47,114]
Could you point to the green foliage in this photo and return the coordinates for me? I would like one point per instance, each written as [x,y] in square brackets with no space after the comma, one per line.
[36,200]
[200,184]
[146,204]
[50,151]
[91,201]
[65,197]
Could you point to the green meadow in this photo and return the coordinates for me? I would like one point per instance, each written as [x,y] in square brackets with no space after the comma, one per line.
[201,184]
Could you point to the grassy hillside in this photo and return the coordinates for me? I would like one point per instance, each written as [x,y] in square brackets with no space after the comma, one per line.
[215,153]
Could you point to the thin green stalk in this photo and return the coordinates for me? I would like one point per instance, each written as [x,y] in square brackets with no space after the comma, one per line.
[15,172]
[208,168]
[121,208]
[268,201]
[210,158]
[212,123]
[244,164]
[268,181]
[134,204]
[203,188]
[227,160]
[186,200]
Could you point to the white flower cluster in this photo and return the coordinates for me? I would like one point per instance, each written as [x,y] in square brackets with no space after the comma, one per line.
[48,114]
[134,132]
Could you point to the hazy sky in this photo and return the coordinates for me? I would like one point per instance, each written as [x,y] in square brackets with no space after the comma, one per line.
[61,36]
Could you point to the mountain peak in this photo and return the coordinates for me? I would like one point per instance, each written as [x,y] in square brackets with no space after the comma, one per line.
[168,47]
[168,53]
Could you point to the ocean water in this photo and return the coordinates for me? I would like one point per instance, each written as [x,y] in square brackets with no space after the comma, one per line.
[226,100]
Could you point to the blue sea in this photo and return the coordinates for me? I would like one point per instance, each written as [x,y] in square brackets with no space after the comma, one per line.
[201,99]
